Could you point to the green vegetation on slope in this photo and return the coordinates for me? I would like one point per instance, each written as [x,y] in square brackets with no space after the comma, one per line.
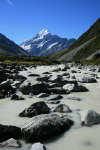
[82,46]
[88,49]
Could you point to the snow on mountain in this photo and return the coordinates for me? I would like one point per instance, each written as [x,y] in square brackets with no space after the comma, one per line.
[50,46]
[45,43]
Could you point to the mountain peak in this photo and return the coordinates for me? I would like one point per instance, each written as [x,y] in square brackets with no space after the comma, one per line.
[45,43]
[43,32]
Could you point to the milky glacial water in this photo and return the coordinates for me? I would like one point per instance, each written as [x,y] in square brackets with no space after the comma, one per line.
[82,138]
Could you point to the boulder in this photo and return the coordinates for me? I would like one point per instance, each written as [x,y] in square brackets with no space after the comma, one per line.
[3,76]
[79,88]
[20,78]
[35,89]
[88,80]
[53,102]
[38,146]
[16,97]
[35,109]
[62,108]
[33,75]
[59,91]
[7,132]
[68,87]
[42,95]
[90,117]
[6,89]
[10,143]
[45,126]
[74,98]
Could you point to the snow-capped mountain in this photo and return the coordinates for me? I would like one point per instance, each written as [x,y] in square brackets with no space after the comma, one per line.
[45,43]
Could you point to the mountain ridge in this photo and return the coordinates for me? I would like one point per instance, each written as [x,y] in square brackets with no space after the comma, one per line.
[87,44]
[8,47]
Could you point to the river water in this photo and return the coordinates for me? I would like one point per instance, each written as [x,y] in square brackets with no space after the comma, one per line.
[82,138]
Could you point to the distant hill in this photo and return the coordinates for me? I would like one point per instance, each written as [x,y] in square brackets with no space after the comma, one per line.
[87,47]
[8,47]
[44,43]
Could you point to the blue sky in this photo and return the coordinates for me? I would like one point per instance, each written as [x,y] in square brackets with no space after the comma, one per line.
[22,19]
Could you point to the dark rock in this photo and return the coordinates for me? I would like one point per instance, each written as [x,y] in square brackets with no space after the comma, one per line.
[91,118]
[35,89]
[62,108]
[53,102]
[46,126]
[3,76]
[34,75]
[59,91]
[43,95]
[6,90]
[89,80]
[74,98]
[16,97]
[7,132]
[46,73]
[79,88]
[20,78]
[43,79]
[35,109]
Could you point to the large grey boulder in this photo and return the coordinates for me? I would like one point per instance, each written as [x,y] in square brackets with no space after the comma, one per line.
[90,117]
[45,126]
[35,109]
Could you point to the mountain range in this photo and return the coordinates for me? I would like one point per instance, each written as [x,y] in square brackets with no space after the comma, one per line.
[8,47]
[86,47]
[45,43]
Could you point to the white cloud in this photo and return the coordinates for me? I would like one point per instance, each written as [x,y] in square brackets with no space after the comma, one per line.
[10,2]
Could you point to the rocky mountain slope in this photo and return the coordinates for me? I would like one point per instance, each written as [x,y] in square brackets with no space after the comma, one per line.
[8,47]
[45,43]
[87,47]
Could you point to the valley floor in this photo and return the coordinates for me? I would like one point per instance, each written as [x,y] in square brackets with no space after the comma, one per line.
[78,138]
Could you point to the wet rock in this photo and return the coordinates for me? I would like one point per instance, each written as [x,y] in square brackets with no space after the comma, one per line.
[20,78]
[35,109]
[62,108]
[33,75]
[35,89]
[74,98]
[46,126]
[3,76]
[6,90]
[68,87]
[43,95]
[79,88]
[7,132]
[43,79]
[16,97]
[59,91]
[38,146]
[53,102]
[11,143]
[88,80]
[90,117]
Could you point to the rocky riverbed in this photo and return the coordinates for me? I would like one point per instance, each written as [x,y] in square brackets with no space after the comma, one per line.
[57,105]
